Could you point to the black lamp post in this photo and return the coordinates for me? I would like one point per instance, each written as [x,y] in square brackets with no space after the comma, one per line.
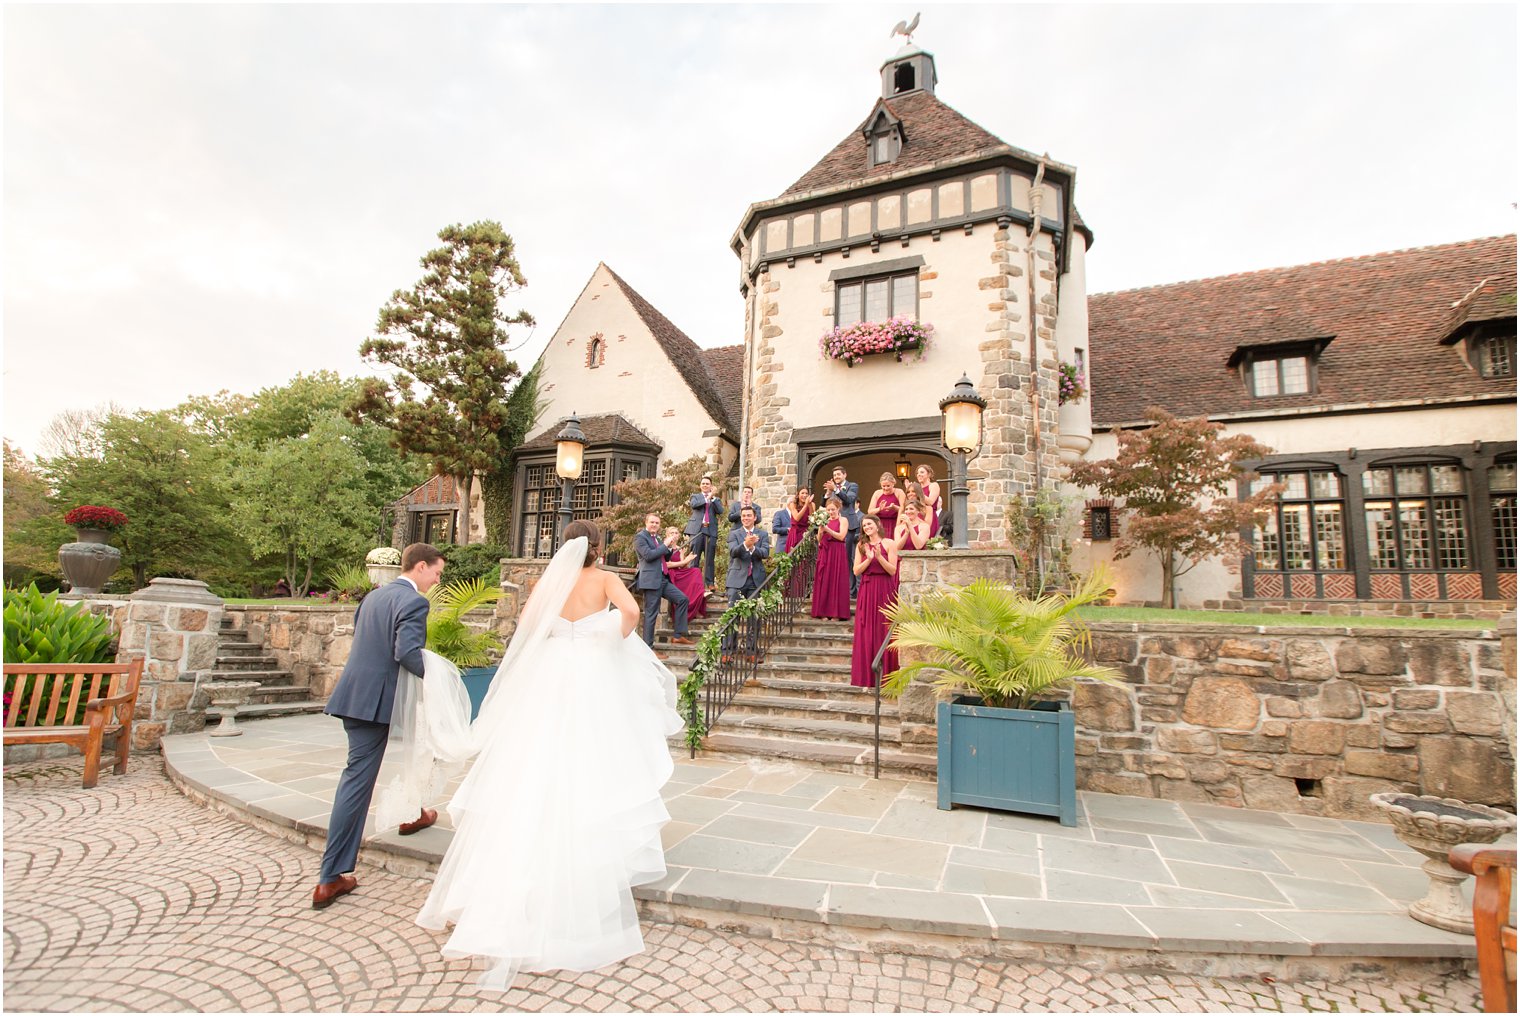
[568,460]
[961,412]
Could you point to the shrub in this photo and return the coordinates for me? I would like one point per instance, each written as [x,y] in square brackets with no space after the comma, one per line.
[470,561]
[41,629]
[349,584]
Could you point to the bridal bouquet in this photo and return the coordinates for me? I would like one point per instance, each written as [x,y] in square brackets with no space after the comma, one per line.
[853,343]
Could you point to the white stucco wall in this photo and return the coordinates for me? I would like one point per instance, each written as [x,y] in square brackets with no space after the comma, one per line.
[1138,577]
[825,392]
[636,378]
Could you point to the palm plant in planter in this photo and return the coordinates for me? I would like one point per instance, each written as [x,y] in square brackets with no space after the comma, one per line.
[998,654]
[469,649]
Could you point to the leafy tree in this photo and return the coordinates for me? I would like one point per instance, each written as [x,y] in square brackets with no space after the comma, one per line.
[292,409]
[33,526]
[669,495]
[163,475]
[75,433]
[445,335]
[1174,478]
[303,498]
[524,406]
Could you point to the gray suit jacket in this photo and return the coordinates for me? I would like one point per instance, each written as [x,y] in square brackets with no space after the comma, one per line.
[849,496]
[740,559]
[390,629]
[652,556]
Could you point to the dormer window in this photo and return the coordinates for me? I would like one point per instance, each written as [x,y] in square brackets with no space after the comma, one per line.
[884,138]
[1283,368]
[1491,349]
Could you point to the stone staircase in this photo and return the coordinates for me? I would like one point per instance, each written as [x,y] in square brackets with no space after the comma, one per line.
[238,659]
[801,706]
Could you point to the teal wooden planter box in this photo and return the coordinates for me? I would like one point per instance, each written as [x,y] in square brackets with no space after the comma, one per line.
[477,681]
[1022,760]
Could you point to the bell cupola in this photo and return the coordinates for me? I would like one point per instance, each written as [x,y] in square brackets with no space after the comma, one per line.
[910,70]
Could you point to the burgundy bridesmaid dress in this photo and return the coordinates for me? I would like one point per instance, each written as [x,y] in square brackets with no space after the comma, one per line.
[688,581]
[878,590]
[886,510]
[831,582]
[934,507]
[799,529]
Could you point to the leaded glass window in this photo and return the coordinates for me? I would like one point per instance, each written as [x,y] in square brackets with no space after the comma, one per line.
[1306,530]
[876,299]
[1418,519]
[1501,489]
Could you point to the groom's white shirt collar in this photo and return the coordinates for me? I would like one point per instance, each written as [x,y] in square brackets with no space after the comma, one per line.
[409,582]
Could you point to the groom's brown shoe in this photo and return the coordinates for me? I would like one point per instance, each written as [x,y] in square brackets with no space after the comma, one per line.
[427,818]
[325,893]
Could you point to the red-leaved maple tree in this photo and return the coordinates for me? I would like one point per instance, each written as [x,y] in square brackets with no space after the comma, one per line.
[1174,480]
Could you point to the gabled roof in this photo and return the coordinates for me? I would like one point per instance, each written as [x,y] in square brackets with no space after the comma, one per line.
[607,428]
[685,354]
[1489,300]
[933,131]
[435,490]
[1170,346]
[726,364]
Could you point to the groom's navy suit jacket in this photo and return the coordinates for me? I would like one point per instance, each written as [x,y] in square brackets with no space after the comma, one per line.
[390,629]
[745,566]
[652,557]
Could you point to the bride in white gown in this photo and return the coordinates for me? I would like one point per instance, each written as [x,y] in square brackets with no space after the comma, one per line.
[561,814]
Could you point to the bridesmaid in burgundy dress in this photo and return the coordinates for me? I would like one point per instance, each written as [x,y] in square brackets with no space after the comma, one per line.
[928,491]
[876,564]
[687,579]
[831,582]
[885,504]
[912,528]
[800,508]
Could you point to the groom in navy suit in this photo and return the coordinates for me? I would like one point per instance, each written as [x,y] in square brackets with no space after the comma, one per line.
[655,584]
[848,493]
[703,528]
[390,630]
[748,547]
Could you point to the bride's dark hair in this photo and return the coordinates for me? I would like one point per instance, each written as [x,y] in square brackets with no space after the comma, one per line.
[593,537]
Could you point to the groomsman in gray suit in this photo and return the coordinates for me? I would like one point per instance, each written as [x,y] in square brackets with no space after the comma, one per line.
[390,629]
[748,547]
[655,584]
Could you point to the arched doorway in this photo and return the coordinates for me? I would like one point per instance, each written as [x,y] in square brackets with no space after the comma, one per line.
[864,460]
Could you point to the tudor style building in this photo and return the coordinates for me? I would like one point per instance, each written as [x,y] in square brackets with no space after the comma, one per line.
[1385,386]
[919,213]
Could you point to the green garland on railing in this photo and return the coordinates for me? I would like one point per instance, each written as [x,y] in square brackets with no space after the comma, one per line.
[710,648]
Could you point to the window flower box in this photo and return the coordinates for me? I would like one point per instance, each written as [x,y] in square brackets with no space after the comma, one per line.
[898,335]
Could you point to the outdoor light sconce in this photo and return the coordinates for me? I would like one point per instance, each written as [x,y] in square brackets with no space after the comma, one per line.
[903,466]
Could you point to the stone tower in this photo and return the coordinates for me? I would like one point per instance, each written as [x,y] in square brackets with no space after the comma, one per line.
[918,212]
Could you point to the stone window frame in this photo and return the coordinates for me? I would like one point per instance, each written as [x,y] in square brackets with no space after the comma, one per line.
[1091,530]
[860,282]
[596,350]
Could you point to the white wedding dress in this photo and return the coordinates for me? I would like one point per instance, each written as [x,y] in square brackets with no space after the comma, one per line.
[561,814]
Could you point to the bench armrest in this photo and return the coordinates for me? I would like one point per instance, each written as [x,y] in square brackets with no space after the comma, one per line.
[1477,858]
[111,702]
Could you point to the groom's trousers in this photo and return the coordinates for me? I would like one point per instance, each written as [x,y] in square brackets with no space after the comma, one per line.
[366,749]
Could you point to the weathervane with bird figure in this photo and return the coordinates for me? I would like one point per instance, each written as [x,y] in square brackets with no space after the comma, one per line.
[906,29]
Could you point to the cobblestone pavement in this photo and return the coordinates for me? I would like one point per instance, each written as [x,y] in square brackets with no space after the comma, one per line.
[129,897]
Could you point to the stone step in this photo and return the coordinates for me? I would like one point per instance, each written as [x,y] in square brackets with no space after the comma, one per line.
[266,678]
[833,756]
[250,662]
[803,625]
[259,711]
[862,710]
[809,687]
[235,647]
[279,693]
[828,653]
[736,720]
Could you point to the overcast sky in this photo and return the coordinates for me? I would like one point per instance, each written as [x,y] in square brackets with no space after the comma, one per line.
[209,197]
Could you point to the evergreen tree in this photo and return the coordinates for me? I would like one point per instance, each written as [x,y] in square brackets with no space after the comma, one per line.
[445,336]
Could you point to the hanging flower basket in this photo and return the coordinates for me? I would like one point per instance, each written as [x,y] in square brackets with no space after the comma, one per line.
[853,343]
[1073,381]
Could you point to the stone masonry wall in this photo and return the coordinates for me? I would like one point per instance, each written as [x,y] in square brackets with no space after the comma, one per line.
[1306,720]
[1294,719]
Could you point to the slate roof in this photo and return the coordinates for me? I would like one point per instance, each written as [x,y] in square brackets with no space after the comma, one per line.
[726,364]
[1386,315]
[932,130]
[607,428]
[685,354]
[1490,300]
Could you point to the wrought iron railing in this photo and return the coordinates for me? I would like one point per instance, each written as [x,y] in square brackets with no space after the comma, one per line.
[751,632]
[876,667]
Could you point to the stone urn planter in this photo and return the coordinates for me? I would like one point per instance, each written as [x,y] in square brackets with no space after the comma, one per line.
[1432,826]
[89,562]
[380,574]
[226,698]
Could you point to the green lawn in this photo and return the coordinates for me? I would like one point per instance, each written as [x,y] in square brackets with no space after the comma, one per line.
[1155,615]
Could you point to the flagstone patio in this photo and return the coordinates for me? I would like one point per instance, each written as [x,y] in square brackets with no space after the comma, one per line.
[787,842]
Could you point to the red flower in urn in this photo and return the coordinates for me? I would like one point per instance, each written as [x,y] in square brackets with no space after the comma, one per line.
[90,516]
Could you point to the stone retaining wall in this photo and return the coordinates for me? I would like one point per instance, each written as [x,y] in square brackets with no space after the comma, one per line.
[1288,719]
[1483,610]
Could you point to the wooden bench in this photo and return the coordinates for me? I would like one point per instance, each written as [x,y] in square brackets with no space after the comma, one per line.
[1494,868]
[62,703]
